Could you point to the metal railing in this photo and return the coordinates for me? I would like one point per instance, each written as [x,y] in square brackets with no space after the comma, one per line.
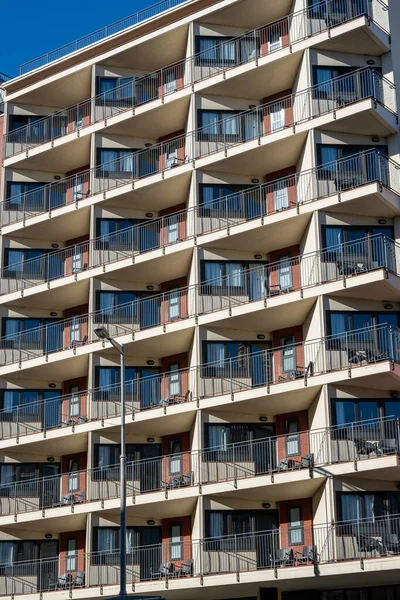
[243,49]
[275,454]
[142,15]
[3,79]
[272,549]
[247,371]
[259,201]
[251,285]
[272,117]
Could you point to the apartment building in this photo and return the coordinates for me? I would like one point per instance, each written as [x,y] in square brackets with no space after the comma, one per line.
[218,184]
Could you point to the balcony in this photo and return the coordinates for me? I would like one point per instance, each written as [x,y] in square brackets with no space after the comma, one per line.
[263,41]
[316,546]
[225,298]
[251,374]
[117,250]
[280,458]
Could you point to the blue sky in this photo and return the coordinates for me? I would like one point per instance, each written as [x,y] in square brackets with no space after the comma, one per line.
[30,29]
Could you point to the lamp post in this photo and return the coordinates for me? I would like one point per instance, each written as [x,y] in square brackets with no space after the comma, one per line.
[103,334]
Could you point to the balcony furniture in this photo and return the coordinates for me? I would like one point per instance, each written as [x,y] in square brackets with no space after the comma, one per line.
[177,481]
[391,543]
[74,420]
[166,569]
[276,289]
[309,555]
[307,461]
[388,446]
[77,343]
[287,464]
[349,267]
[366,447]
[79,579]
[64,581]
[73,498]
[82,195]
[178,161]
[368,543]
[176,399]
[283,557]
[297,373]
[186,569]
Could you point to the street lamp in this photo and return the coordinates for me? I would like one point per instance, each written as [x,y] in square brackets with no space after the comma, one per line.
[103,334]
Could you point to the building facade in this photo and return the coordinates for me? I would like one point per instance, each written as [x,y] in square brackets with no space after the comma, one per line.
[218,184]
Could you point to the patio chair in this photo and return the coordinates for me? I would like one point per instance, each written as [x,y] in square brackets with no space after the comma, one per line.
[309,555]
[166,569]
[79,579]
[186,569]
[283,557]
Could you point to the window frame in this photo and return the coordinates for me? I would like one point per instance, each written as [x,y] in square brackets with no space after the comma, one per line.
[220,135]
[216,290]
[300,527]
[287,422]
[117,173]
[217,371]
[384,495]
[178,545]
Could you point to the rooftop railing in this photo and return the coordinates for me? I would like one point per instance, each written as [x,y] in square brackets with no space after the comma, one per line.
[243,49]
[142,15]
[248,371]
[258,283]
[274,548]
[254,124]
[258,201]
[310,449]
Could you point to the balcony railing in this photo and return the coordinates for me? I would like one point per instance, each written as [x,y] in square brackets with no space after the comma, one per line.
[3,79]
[259,201]
[142,15]
[243,49]
[263,369]
[270,118]
[269,456]
[274,549]
[256,284]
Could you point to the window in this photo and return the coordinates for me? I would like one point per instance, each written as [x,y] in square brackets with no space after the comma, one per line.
[215,51]
[219,125]
[337,83]
[117,234]
[281,195]
[175,461]
[228,200]
[241,358]
[357,245]
[174,304]
[71,554]
[363,409]
[20,404]
[285,273]
[25,552]
[32,333]
[106,457]
[115,91]
[33,196]
[174,380]
[141,383]
[238,523]
[117,307]
[73,475]
[33,264]
[367,505]
[277,116]
[292,437]
[288,354]
[113,162]
[176,540]
[106,543]
[295,525]
[342,322]
[238,278]
[220,437]
[21,478]
[74,401]
[36,129]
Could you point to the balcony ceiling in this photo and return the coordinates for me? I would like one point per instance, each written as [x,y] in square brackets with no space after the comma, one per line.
[58,298]
[164,120]
[74,224]
[249,13]
[61,93]
[60,159]
[302,486]
[260,82]
[355,41]
[159,51]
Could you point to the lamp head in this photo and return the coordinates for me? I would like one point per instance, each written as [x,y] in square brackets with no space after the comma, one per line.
[102,333]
